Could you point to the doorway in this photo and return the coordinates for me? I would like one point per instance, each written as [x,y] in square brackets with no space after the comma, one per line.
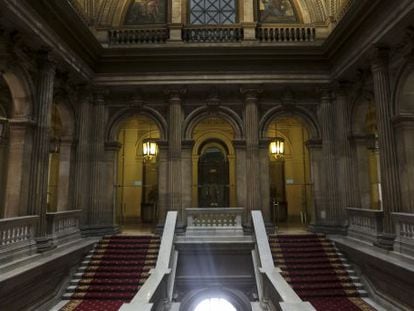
[213,176]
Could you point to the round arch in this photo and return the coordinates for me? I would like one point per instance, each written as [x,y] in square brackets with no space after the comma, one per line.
[22,92]
[115,122]
[401,92]
[195,117]
[239,300]
[303,115]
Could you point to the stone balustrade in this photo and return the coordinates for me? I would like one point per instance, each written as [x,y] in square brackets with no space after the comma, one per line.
[404,227]
[213,34]
[286,34]
[365,224]
[63,226]
[137,36]
[17,237]
[214,217]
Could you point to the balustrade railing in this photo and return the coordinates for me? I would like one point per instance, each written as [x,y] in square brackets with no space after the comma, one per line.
[137,36]
[404,228]
[365,224]
[213,34]
[17,237]
[286,33]
[214,217]
[63,225]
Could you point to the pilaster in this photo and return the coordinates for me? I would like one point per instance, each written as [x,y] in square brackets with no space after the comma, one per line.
[251,123]
[388,157]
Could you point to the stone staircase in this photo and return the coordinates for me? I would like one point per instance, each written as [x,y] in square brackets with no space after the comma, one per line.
[112,273]
[318,272]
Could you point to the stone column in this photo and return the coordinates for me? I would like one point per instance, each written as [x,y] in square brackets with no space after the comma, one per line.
[330,215]
[163,174]
[240,149]
[82,157]
[346,182]
[265,180]
[404,126]
[17,180]
[65,160]
[187,173]
[176,21]
[388,155]
[247,20]
[40,154]
[175,119]
[99,218]
[251,123]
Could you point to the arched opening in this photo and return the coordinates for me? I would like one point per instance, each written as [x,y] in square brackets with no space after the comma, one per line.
[5,106]
[215,304]
[290,185]
[137,180]
[366,153]
[214,164]
[54,159]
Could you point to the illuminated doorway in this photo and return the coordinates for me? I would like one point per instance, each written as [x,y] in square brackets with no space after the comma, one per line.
[215,304]
[137,180]
[290,186]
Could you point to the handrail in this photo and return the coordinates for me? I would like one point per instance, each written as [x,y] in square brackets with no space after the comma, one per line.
[285,295]
[160,275]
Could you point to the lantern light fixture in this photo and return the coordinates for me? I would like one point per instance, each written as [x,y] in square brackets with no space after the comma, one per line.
[149,149]
[277,148]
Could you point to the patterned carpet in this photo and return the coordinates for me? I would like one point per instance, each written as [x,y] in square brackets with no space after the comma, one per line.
[113,273]
[312,266]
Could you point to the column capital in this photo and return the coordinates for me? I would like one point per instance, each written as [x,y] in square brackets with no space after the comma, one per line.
[46,61]
[251,92]
[99,95]
[84,92]
[326,94]
[113,146]
[175,95]
[379,58]
[341,87]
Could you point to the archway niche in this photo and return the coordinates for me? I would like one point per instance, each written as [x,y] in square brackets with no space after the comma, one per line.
[16,100]
[404,130]
[289,175]
[213,164]
[366,152]
[137,178]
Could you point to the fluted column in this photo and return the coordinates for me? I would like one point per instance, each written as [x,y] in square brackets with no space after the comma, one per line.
[388,157]
[315,155]
[175,119]
[40,155]
[346,182]
[18,164]
[82,157]
[251,123]
[330,214]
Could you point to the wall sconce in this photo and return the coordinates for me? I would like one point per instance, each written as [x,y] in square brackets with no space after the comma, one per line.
[149,149]
[277,148]
[54,145]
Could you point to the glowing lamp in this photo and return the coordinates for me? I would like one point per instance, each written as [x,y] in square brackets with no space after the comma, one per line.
[277,148]
[149,149]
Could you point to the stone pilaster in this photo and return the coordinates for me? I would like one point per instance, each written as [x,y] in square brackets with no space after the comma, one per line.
[82,157]
[40,155]
[388,157]
[330,215]
[315,154]
[163,174]
[175,119]
[346,183]
[251,124]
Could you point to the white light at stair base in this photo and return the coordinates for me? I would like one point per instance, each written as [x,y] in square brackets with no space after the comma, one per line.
[215,304]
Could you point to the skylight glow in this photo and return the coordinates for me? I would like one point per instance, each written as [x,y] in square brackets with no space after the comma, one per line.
[215,304]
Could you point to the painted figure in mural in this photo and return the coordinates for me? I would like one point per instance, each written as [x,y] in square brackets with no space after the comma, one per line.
[146,12]
[276,10]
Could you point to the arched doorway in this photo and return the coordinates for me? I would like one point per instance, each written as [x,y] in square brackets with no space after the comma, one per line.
[137,180]
[289,174]
[213,175]
[214,164]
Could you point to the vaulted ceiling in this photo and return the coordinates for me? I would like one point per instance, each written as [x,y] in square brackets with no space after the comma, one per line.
[111,12]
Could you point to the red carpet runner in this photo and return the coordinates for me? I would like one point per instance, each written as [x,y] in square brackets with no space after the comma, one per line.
[113,273]
[311,265]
